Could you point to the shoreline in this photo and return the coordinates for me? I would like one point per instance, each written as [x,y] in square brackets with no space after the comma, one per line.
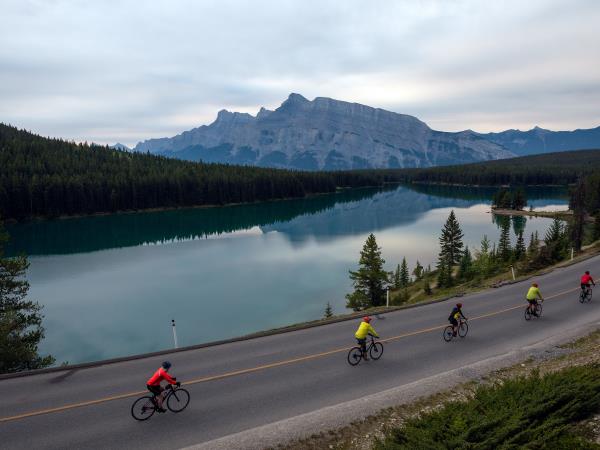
[496,281]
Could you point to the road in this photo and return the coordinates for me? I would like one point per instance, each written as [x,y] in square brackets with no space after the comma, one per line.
[247,384]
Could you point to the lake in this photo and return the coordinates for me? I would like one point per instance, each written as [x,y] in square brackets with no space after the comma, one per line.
[110,285]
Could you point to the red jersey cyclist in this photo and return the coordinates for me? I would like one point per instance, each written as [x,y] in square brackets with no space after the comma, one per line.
[586,279]
[153,384]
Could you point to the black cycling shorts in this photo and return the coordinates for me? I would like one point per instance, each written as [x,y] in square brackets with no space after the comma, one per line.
[532,301]
[154,389]
[453,321]
[585,286]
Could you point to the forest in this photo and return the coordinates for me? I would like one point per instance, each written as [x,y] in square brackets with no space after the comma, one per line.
[46,177]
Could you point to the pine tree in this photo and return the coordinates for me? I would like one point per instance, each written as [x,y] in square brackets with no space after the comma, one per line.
[451,240]
[556,241]
[404,277]
[483,262]
[20,319]
[520,249]
[466,265]
[519,200]
[418,271]
[504,249]
[444,269]
[396,279]
[427,286]
[328,311]
[370,279]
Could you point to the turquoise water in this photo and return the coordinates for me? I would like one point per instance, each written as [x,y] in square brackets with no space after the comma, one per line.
[110,285]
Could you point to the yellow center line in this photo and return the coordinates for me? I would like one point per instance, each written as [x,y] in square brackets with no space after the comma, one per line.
[257,368]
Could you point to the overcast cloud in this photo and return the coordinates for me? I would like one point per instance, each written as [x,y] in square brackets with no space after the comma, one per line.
[124,71]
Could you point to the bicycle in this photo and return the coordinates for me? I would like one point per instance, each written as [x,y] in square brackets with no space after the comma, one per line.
[463,329]
[176,400]
[374,349]
[585,295]
[538,310]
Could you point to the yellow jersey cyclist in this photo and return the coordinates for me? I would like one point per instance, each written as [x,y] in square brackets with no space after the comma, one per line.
[364,329]
[532,295]
[454,316]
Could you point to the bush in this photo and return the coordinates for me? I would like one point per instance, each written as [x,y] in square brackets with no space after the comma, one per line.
[527,412]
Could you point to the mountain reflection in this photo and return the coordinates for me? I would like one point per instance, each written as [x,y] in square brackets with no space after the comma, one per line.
[321,217]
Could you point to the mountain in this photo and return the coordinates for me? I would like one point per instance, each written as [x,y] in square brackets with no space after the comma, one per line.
[119,146]
[538,140]
[324,134]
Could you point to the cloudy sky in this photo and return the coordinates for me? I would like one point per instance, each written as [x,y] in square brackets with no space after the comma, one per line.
[124,71]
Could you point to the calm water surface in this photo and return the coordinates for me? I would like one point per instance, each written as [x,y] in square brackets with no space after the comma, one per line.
[110,285]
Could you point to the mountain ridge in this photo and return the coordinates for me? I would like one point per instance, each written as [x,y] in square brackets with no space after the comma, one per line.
[329,134]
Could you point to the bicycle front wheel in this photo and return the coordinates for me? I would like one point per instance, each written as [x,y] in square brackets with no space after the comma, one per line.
[538,309]
[178,400]
[463,329]
[376,350]
[143,408]
[448,333]
[354,356]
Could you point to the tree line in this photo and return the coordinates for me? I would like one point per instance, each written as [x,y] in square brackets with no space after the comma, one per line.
[456,263]
[52,177]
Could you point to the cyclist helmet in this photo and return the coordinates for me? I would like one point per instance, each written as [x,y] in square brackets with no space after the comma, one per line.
[166,365]
[535,285]
[366,319]
[587,272]
[459,305]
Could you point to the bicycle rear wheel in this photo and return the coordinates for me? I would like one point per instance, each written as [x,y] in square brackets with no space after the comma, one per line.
[582,296]
[354,356]
[376,350]
[178,400]
[143,408]
[448,333]
[528,314]
[463,329]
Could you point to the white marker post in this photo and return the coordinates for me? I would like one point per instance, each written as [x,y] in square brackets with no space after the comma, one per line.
[174,333]
[512,269]
[387,302]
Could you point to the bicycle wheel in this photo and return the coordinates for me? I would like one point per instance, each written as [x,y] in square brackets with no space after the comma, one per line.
[463,329]
[528,314]
[448,333]
[143,408]
[354,356]
[538,310]
[376,350]
[178,400]
[582,296]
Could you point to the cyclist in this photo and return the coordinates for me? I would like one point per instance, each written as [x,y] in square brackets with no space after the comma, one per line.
[153,384]
[532,295]
[586,279]
[364,329]
[456,314]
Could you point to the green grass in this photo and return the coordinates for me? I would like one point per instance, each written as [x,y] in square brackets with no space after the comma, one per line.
[531,412]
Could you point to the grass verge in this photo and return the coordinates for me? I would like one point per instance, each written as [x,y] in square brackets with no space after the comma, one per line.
[551,400]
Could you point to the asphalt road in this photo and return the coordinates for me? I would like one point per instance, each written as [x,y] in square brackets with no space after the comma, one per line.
[242,385]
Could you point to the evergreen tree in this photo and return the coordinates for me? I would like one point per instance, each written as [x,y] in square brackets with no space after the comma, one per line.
[427,286]
[397,280]
[20,319]
[444,269]
[577,204]
[328,311]
[370,279]
[534,244]
[520,249]
[504,248]
[483,262]
[418,271]
[519,200]
[465,270]
[596,232]
[404,277]
[556,241]
[451,240]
